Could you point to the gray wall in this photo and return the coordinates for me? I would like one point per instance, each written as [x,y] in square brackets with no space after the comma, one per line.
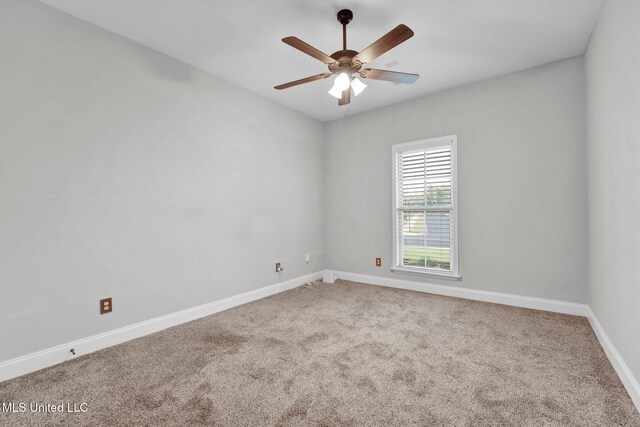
[522,189]
[613,104]
[125,173]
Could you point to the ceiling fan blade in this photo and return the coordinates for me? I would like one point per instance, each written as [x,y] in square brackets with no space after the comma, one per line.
[389,76]
[308,49]
[346,97]
[303,81]
[385,43]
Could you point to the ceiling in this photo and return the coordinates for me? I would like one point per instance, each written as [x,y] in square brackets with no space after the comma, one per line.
[456,41]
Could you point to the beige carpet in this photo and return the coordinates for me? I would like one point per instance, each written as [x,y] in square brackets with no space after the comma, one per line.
[343,354]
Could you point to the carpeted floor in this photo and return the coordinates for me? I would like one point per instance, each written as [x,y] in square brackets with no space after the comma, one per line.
[343,354]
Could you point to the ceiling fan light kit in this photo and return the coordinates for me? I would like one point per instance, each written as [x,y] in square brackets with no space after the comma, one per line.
[344,82]
[347,64]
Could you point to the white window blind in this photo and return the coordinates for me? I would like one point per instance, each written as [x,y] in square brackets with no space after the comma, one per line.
[425,206]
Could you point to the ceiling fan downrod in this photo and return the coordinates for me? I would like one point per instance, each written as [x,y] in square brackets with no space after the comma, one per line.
[344,17]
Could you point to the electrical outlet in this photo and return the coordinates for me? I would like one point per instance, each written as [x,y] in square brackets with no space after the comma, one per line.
[279,267]
[106,306]
[306,258]
[378,262]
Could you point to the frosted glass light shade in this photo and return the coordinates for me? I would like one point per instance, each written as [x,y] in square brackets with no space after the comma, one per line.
[335,91]
[340,84]
[357,86]
[342,81]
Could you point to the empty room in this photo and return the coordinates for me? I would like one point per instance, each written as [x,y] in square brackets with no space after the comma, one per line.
[315,213]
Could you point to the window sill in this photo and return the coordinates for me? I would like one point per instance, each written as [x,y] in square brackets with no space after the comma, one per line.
[410,271]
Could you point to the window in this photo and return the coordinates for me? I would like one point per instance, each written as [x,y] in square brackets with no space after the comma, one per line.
[425,207]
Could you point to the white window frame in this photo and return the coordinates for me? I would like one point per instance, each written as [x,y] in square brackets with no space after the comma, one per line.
[451,140]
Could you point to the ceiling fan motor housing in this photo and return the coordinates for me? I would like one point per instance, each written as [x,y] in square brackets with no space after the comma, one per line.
[344,63]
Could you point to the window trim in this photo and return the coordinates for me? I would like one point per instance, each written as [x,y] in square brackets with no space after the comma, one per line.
[451,140]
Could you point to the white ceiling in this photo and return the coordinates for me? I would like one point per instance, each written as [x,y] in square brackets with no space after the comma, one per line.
[456,41]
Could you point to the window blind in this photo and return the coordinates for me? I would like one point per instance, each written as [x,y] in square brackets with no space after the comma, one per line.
[424,206]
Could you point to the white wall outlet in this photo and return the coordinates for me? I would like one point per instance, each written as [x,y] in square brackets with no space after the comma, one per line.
[306,258]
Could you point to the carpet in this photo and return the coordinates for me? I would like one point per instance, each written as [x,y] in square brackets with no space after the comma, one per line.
[342,354]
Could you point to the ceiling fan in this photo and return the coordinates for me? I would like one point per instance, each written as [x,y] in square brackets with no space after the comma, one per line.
[345,63]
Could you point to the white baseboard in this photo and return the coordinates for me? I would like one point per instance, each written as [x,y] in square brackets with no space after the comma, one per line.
[328,277]
[629,381]
[52,356]
[472,294]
